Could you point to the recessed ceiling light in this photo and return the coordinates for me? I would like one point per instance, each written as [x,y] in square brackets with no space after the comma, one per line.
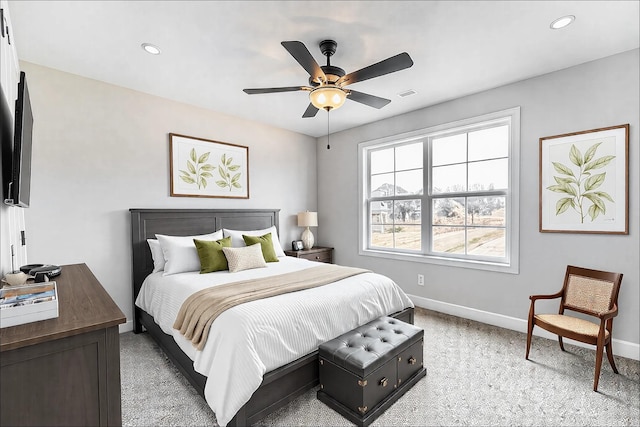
[562,22]
[151,48]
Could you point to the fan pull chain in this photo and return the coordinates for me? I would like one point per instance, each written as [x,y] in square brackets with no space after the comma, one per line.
[328,146]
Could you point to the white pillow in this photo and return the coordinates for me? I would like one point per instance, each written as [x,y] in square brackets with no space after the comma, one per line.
[244,258]
[180,252]
[237,241]
[156,255]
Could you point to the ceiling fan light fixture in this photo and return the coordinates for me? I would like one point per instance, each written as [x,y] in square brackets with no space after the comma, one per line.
[326,82]
[327,97]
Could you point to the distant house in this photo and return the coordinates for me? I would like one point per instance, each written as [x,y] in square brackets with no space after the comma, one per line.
[380,211]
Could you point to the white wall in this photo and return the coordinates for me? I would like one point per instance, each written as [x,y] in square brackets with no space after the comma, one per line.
[100,150]
[593,95]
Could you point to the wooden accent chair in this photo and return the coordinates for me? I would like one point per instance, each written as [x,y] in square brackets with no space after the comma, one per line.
[591,292]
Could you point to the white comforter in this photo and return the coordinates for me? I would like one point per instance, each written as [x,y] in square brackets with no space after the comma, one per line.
[251,339]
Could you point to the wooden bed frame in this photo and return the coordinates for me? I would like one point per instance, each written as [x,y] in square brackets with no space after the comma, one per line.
[279,386]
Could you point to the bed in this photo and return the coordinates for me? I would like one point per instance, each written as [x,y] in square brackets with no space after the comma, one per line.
[280,384]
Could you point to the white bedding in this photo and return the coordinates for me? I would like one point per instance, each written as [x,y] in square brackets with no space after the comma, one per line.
[251,339]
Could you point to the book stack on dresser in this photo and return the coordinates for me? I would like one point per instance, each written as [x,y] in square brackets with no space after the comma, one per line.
[28,303]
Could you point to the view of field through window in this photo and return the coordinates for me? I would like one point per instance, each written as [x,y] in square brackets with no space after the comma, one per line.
[469,180]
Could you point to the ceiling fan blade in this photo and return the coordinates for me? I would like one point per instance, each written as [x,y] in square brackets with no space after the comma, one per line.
[389,65]
[311,111]
[274,89]
[366,99]
[301,54]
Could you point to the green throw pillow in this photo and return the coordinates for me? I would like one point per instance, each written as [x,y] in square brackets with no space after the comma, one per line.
[211,256]
[266,243]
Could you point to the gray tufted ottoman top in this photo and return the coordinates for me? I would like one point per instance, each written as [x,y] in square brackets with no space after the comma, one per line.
[366,348]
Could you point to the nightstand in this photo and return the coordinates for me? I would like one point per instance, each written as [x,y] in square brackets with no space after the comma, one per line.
[317,253]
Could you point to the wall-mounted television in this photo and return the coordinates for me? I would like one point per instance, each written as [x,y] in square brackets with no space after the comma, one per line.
[6,142]
[19,186]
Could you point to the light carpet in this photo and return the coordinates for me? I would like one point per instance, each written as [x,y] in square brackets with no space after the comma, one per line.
[476,376]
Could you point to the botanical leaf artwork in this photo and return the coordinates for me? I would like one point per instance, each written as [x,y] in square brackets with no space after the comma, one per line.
[581,185]
[206,168]
[198,170]
[228,173]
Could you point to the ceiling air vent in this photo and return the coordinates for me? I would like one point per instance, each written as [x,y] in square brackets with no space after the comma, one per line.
[407,93]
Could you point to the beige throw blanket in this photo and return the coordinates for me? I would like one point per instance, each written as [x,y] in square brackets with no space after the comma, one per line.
[200,310]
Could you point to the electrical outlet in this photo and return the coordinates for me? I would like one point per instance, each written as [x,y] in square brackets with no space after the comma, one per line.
[420,279]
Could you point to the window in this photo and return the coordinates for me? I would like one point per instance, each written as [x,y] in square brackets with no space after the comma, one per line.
[444,194]
[396,183]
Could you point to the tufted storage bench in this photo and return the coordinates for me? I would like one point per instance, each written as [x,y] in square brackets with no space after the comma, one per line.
[364,371]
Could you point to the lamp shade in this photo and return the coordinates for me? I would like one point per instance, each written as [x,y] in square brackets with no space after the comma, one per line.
[308,219]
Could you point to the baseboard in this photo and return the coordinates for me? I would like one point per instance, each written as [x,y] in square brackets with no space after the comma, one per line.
[620,348]
[126,327]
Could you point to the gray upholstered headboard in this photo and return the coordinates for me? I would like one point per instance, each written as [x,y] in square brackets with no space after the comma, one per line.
[146,223]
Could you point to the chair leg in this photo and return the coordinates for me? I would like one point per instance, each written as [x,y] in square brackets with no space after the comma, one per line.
[529,333]
[610,357]
[561,344]
[530,325]
[598,366]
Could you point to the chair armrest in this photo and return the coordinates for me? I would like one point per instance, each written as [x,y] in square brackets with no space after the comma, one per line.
[550,296]
[533,299]
[609,314]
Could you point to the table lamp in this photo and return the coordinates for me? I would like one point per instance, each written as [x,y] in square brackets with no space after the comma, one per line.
[307,219]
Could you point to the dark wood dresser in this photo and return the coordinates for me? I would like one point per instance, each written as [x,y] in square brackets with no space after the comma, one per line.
[64,371]
[317,253]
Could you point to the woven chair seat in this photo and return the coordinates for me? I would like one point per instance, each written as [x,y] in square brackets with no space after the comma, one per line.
[574,324]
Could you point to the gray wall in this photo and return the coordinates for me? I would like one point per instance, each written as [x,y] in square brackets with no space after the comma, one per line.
[100,149]
[593,95]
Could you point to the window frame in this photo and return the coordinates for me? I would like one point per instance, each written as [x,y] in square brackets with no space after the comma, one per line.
[508,264]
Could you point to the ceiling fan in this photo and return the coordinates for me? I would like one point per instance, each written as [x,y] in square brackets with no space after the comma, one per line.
[327,83]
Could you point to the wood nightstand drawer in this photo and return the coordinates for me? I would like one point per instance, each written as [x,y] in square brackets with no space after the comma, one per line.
[318,254]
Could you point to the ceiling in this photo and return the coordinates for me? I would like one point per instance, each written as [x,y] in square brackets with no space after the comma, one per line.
[211,50]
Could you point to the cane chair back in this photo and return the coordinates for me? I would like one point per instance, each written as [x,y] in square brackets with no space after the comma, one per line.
[589,295]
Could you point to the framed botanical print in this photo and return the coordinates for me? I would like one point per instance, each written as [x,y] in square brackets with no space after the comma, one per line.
[205,168]
[584,182]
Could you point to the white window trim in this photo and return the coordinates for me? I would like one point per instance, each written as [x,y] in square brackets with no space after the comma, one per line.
[512,246]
